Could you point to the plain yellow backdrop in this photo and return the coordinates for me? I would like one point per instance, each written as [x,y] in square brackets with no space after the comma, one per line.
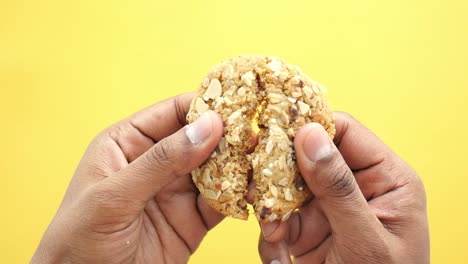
[68,69]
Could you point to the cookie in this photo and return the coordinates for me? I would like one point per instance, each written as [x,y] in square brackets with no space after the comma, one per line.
[279,98]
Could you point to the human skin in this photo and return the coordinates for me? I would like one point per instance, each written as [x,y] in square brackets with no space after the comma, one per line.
[131,199]
[369,205]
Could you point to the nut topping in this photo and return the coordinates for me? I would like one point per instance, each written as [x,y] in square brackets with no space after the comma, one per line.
[214,89]
[303,107]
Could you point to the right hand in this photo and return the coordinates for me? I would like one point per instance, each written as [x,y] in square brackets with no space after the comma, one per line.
[369,205]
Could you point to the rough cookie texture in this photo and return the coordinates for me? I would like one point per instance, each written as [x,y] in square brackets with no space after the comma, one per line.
[285,99]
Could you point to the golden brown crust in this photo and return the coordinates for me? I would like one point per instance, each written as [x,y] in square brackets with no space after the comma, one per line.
[286,99]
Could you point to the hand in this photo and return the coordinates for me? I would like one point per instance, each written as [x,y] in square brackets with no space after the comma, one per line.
[131,199]
[369,205]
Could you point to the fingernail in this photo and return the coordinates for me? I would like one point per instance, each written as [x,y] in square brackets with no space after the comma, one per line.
[317,143]
[275,262]
[269,228]
[200,130]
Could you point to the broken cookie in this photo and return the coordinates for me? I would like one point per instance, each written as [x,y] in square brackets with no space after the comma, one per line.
[279,98]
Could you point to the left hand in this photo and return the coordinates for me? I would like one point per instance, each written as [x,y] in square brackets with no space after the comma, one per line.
[131,199]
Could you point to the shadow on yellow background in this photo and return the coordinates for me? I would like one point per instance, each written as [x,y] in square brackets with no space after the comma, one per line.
[68,69]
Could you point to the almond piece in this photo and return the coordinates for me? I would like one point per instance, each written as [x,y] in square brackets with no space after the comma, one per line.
[214,89]
[210,194]
[287,195]
[247,78]
[270,202]
[303,107]
[201,106]
[307,91]
[225,185]
[274,191]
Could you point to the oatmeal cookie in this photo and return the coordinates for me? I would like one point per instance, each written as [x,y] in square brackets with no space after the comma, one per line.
[281,99]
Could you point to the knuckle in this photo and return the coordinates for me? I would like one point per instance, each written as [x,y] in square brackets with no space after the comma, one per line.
[160,152]
[114,131]
[340,182]
[346,115]
[159,156]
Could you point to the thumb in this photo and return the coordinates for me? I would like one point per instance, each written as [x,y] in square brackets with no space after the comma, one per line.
[332,182]
[169,159]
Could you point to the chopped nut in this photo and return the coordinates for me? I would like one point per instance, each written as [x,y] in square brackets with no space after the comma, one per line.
[269,147]
[226,184]
[221,145]
[232,118]
[276,109]
[231,92]
[292,100]
[313,101]
[201,188]
[282,162]
[307,91]
[274,191]
[228,72]
[282,76]
[255,161]
[276,131]
[218,102]
[227,101]
[295,80]
[275,98]
[303,107]
[286,215]
[287,195]
[316,88]
[267,172]
[296,94]
[241,91]
[283,181]
[201,106]
[214,89]
[270,202]
[284,118]
[275,65]
[206,178]
[210,194]
[248,77]
[272,217]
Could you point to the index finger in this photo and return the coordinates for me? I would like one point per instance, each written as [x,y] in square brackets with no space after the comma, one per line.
[164,118]
[360,148]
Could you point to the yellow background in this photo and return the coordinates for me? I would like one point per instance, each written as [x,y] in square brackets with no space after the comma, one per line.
[70,68]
